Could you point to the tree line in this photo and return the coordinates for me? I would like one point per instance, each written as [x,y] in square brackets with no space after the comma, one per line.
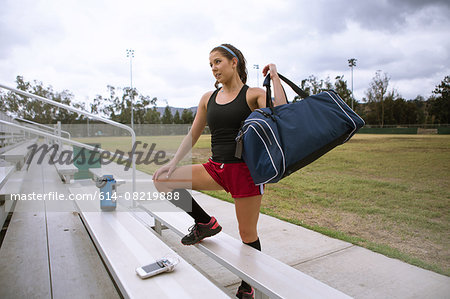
[381,106]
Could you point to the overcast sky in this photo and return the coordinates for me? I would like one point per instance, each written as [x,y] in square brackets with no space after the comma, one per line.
[81,45]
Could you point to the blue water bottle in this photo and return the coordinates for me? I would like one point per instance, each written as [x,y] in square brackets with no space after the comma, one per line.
[107,185]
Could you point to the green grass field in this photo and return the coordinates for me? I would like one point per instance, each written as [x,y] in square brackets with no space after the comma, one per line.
[388,193]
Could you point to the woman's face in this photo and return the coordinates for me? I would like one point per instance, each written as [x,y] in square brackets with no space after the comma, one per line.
[222,68]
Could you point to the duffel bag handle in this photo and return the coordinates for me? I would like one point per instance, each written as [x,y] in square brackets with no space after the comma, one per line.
[291,84]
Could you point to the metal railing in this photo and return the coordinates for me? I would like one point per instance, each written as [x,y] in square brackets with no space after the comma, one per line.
[90,115]
[51,136]
[42,126]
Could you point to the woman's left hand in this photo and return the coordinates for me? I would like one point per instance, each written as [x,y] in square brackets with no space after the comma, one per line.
[278,92]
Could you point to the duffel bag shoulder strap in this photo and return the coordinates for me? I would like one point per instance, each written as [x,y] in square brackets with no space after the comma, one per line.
[266,84]
[291,84]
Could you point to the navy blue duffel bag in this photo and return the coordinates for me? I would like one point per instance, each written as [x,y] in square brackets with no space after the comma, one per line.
[277,141]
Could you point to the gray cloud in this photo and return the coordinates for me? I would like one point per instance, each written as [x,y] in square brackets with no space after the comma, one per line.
[329,17]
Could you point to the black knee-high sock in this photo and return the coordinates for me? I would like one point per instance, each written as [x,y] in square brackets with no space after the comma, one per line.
[188,204]
[257,245]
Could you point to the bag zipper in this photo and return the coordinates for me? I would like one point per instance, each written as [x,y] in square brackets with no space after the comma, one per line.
[262,129]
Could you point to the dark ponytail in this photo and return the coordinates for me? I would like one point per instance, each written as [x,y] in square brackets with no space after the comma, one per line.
[241,67]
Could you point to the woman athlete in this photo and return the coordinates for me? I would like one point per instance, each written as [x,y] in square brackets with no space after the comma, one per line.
[224,110]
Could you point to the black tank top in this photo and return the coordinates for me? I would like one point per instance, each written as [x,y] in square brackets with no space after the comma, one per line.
[224,122]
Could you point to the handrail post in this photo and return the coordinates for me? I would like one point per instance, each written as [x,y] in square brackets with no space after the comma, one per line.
[41,125]
[58,131]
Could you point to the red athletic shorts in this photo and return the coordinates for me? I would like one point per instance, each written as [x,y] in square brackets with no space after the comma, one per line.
[234,178]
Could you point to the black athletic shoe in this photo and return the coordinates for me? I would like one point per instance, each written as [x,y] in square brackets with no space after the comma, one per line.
[199,231]
[243,293]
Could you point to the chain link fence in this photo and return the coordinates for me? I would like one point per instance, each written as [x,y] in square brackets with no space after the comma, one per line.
[105,130]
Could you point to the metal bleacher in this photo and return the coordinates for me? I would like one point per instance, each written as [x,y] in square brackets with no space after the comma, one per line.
[47,250]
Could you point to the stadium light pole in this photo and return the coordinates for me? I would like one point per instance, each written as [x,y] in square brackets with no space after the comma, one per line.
[130,54]
[256,67]
[351,64]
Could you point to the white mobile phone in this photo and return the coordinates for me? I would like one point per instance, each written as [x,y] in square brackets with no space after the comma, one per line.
[160,266]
